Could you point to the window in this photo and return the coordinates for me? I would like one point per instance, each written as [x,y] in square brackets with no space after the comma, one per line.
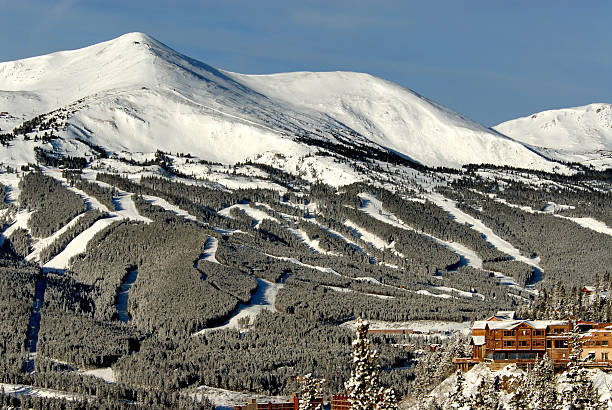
[548,344]
[604,342]
[526,332]
[560,344]
[604,357]
[508,332]
[508,343]
[539,333]
[598,343]
[523,343]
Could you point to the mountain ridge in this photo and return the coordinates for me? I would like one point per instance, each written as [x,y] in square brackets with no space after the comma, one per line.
[575,134]
[131,93]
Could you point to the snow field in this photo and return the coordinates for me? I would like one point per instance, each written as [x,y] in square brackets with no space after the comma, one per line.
[210,249]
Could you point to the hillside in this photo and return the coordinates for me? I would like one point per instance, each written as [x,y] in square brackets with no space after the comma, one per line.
[171,232]
[578,134]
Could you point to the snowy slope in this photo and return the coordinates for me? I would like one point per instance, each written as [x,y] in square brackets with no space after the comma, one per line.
[394,117]
[580,134]
[135,94]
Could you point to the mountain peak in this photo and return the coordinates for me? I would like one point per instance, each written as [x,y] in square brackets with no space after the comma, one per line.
[132,92]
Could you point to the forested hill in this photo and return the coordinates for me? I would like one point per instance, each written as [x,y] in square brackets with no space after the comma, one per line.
[133,275]
[245,277]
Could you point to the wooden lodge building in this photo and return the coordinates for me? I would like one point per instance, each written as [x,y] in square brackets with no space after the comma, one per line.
[502,339]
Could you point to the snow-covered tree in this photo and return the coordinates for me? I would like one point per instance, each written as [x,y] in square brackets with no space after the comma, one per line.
[389,399]
[363,388]
[542,393]
[310,389]
[487,394]
[456,399]
[519,400]
[579,392]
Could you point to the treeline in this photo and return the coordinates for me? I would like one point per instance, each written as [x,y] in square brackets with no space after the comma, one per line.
[53,204]
[51,160]
[580,198]
[561,302]
[319,304]
[88,392]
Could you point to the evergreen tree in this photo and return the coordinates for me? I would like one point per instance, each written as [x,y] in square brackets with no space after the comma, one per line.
[456,399]
[364,388]
[519,400]
[579,392]
[542,394]
[309,392]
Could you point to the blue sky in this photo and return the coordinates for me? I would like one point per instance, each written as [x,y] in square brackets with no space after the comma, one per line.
[491,60]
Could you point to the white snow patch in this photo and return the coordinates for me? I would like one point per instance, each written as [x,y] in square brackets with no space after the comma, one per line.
[590,223]
[11,182]
[366,236]
[210,249]
[125,207]
[264,298]
[420,326]
[154,200]
[27,390]
[78,245]
[105,373]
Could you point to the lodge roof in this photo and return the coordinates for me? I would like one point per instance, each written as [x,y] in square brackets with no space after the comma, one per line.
[478,340]
[511,324]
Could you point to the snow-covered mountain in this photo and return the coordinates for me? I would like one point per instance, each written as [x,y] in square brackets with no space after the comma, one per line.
[579,134]
[135,94]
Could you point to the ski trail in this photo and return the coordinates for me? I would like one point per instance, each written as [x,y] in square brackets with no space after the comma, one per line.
[44,242]
[264,298]
[78,245]
[210,250]
[20,221]
[450,206]
[157,201]
[375,208]
[125,207]
[124,294]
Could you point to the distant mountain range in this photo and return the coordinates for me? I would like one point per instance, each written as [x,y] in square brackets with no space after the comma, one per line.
[579,134]
[134,94]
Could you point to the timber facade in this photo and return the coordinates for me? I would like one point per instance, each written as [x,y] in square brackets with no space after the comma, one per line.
[501,340]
